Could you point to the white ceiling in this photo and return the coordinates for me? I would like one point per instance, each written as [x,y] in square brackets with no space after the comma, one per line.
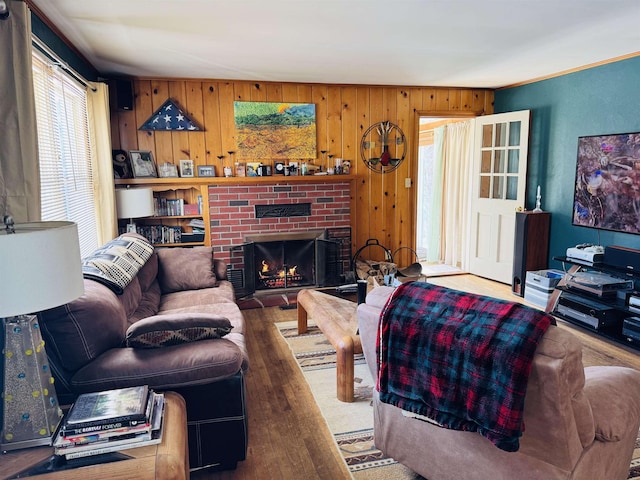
[466,43]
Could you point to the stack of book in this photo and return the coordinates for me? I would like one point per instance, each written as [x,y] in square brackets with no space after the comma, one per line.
[110,421]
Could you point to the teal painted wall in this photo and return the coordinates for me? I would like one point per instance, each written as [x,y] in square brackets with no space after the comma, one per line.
[599,100]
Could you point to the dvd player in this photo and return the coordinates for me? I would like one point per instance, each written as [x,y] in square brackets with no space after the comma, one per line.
[588,312]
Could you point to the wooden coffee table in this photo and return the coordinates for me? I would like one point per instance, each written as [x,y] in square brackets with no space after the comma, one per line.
[169,460]
[336,318]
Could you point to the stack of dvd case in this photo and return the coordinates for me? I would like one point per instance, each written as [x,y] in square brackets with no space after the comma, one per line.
[109,421]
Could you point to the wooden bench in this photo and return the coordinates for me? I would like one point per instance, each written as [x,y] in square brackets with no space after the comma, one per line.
[336,318]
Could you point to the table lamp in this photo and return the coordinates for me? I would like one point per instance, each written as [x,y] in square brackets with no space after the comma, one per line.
[41,269]
[134,203]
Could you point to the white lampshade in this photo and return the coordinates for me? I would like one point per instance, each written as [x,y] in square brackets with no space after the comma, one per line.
[134,202]
[41,267]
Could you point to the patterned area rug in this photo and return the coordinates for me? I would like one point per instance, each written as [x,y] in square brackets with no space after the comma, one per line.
[352,423]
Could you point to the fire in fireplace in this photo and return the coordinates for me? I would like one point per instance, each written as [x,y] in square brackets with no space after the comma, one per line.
[285,263]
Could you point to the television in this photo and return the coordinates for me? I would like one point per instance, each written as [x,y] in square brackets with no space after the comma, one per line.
[607,189]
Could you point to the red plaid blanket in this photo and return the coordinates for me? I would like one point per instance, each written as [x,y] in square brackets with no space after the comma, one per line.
[460,359]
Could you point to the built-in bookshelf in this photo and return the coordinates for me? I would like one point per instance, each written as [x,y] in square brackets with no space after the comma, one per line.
[181,214]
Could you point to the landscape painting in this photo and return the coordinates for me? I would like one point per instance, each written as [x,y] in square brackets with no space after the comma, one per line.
[275,131]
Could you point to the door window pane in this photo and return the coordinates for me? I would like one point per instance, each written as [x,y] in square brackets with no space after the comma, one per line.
[501,134]
[485,166]
[485,185]
[512,188]
[499,163]
[498,187]
[487,134]
[514,161]
[514,134]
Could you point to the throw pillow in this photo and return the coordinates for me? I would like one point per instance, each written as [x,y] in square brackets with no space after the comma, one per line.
[185,269]
[118,261]
[175,329]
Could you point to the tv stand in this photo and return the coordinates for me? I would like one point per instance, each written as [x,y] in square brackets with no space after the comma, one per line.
[601,315]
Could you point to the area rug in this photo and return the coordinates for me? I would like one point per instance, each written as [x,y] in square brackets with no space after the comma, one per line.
[352,423]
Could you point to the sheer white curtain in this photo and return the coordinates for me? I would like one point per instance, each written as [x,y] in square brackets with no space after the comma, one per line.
[435,233]
[457,172]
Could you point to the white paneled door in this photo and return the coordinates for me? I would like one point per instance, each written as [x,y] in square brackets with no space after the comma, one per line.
[498,191]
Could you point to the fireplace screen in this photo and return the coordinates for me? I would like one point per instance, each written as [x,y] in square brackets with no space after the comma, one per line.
[297,259]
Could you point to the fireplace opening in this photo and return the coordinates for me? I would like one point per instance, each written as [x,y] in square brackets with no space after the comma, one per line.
[284,264]
[273,261]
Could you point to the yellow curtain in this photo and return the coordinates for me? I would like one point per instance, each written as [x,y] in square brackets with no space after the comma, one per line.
[19,170]
[101,163]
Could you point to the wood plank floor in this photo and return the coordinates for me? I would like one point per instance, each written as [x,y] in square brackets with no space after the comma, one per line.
[288,438]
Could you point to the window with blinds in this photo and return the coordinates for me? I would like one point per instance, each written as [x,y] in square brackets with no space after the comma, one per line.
[64,150]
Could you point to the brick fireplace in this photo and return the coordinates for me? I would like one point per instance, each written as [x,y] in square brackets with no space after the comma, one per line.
[241,213]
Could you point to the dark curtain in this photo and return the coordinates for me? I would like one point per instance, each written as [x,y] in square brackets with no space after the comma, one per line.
[19,171]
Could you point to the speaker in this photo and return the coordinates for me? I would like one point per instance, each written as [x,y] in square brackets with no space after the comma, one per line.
[124,94]
[622,257]
[531,247]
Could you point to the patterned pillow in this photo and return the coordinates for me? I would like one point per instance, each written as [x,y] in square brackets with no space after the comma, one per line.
[175,329]
[117,263]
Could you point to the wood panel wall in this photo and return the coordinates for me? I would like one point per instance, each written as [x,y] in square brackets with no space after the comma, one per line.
[384,206]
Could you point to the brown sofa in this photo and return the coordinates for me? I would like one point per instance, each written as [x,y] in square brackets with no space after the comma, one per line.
[580,423]
[174,326]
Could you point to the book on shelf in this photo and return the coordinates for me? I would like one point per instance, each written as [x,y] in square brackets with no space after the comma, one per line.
[149,433]
[196,223]
[191,209]
[128,406]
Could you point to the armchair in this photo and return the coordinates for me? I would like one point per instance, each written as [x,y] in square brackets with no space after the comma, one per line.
[579,422]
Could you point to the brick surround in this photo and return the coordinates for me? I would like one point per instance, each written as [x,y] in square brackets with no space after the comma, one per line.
[232,212]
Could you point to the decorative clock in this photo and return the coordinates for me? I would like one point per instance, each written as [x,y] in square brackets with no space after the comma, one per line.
[383,147]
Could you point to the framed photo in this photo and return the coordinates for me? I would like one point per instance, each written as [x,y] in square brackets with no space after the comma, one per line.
[168,170]
[206,170]
[143,164]
[186,168]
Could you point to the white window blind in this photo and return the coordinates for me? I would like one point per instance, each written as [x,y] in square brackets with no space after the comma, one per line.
[64,150]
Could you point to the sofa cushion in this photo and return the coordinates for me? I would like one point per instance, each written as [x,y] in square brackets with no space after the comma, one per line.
[166,368]
[222,293]
[165,330]
[185,269]
[118,261]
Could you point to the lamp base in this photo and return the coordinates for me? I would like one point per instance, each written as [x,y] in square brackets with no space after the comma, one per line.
[131,228]
[30,412]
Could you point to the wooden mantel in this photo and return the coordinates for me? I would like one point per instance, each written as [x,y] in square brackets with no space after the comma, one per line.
[267,180]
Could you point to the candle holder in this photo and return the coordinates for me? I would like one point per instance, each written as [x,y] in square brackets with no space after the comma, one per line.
[538,204]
